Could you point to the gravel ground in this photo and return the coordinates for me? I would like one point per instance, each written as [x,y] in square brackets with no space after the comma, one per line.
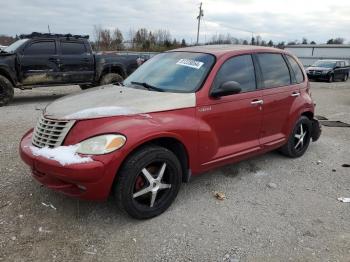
[276,209]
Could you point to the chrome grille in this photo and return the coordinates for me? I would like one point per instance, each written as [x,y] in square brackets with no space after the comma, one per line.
[50,133]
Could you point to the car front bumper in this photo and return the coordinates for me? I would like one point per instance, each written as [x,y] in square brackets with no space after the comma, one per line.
[91,180]
[318,77]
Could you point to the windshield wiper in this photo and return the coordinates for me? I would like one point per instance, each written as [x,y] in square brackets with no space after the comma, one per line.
[148,86]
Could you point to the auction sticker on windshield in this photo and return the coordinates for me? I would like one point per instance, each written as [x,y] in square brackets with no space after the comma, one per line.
[190,63]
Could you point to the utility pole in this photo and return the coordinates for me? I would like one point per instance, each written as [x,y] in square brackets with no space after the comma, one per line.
[199,20]
[48,28]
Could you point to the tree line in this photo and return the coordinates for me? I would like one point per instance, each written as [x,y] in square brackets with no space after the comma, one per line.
[161,40]
[139,40]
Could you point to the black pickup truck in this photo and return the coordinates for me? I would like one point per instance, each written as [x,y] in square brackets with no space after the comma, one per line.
[55,59]
[329,70]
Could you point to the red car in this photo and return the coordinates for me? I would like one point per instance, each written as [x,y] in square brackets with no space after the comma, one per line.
[181,113]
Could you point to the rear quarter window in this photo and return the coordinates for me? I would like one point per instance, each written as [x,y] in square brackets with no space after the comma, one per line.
[274,70]
[299,76]
[72,48]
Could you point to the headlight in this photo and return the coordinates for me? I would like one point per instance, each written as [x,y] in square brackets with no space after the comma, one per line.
[99,145]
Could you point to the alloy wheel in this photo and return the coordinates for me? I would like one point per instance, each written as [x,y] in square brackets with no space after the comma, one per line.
[152,184]
[299,137]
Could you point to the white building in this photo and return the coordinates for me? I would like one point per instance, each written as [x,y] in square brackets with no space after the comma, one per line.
[308,54]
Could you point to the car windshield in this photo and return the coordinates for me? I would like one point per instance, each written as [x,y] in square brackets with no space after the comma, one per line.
[13,47]
[172,72]
[326,64]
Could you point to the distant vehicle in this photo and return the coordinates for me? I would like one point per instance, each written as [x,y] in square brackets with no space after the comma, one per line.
[2,47]
[181,113]
[329,70]
[54,59]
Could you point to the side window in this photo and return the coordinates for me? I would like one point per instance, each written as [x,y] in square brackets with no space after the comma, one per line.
[274,70]
[41,48]
[296,69]
[239,69]
[72,48]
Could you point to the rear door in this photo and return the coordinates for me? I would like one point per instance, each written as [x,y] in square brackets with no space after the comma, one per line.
[77,62]
[39,63]
[339,70]
[232,122]
[280,91]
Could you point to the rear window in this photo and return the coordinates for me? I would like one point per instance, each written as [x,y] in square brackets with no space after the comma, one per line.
[299,76]
[41,48]
[72,48]
[274,70]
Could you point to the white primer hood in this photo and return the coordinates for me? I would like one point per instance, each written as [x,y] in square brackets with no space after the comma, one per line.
[111,100]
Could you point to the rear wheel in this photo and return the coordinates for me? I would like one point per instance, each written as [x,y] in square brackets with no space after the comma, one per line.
[6,91]
[111,78]
[299,139]
[148,182]
[346,77]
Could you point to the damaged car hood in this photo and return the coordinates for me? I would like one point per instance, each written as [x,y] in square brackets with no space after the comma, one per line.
[114,100]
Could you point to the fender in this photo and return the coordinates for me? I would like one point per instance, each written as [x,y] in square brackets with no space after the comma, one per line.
[101,67]
[6,72]
[153,126]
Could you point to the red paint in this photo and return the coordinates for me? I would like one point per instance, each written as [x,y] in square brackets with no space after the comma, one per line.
[214,133]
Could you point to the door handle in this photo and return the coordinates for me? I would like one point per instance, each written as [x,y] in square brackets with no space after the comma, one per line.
[295,94]
[257,102]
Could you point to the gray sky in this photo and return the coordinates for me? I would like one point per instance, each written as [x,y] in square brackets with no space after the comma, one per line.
[278,20]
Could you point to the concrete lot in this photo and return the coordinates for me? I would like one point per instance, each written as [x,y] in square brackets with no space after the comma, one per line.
[298,220]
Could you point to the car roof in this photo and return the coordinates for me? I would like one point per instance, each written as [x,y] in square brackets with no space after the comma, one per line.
[219,50]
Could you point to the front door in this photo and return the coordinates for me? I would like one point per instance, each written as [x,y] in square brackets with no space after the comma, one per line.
[77,62]
[230,125]
[40,63]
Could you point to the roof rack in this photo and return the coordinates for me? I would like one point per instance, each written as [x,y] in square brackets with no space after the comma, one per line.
[47,35]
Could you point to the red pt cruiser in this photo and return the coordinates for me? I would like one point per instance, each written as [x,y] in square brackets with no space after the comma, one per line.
[181,113]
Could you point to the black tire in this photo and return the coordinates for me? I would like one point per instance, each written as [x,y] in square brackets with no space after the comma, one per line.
[111,78]
[346,77]
[6,91]
[294,147]
[330,78]
[132,180]
[84,87]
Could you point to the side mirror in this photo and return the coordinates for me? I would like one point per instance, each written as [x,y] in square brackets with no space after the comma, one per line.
[226,89]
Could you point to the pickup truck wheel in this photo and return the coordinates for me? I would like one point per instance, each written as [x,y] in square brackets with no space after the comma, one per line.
[346,77]
[299,139]
[6,91]
[111,78]
[148,182]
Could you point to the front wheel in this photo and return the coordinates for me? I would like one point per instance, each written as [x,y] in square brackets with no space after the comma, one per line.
[346,76]
[299,139]
[148,182]
[6,91]
[111,78]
